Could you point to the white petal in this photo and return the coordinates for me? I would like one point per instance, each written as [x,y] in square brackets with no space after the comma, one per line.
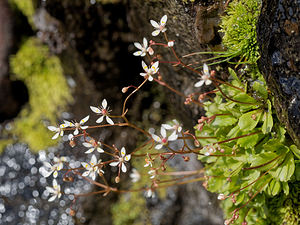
[159,146]
[145,42]
[61,133]
[163,30]
[155,65]
[145,67]
[114,163]
[100,119]
[150,78]
[143,74]
[69,124]
[90,150]
[109,120]
[156,138]
[143,54]
[44,172]
[55,174]
[50,189]
[154,24]
[123,152]
[95,109]
[52,198]
[163,132]
[155,33]
[86,165]
[100,150]
[173,136]
[138,53]
[87,145]
[127,157]
[208,82]
[63,125]
[52,128]
[199,83]
[104,103]
[163,20]
[84,119]
[205,69]
[84,127]
[54,183]
[86,173]
[48,165]
[167,126]
[70,137]
[55,136]
[76,132]
[124,169]
[138,45]
[93,175]
[93,160]
[179,129]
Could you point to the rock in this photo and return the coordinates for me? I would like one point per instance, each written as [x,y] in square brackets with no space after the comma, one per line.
[279,40]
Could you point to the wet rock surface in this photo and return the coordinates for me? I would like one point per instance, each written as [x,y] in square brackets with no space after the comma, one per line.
[279,40]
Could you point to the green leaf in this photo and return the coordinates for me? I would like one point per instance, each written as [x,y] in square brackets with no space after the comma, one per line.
[240,198]
[260,89]
[234,132]
[268,119]
[286,188]
[273,187]
[249,120]
[295,150]
[234,76]
[225,120]
[285,169]
[249,141]
[233,167]
[262,159]
[275,146]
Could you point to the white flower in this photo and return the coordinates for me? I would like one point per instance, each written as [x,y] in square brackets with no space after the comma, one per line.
[59,130]
[170,43]
[149,193]
[143,49]
[163,139]
[92,145]
[221,197]
[60,161]
[159,27]
[175,125]
[121,160]
[78,126]
[92,168]
[104,111]
[48,169]
[149,71]
[210,149]
[205,78]
[55,191]
[135,175]
[152,172]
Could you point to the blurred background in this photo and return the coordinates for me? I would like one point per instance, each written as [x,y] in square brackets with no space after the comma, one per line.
[59,57]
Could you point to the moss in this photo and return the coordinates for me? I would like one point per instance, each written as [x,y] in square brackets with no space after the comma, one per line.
[239,29]
[26,7]
[48,92]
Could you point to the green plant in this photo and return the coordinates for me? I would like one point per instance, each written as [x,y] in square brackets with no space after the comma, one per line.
[255,159]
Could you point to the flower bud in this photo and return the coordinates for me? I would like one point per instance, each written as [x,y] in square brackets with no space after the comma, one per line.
[68,179]
[196,143]
[213,73]
[171,43]
[72,212]
[72,143]
[186,158]
[124,89]
[117,179]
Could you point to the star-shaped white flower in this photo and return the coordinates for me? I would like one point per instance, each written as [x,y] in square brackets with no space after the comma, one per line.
[121,160]
[159,27]
[143,49]
[175,125]
[59,130]
[78,126]
[135,175]
[148,161]
[92,145]
[152,173]
[92,168]
[103,111]
[163,139]
[205,78]
[48,168]
[55,191]
[149,71]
